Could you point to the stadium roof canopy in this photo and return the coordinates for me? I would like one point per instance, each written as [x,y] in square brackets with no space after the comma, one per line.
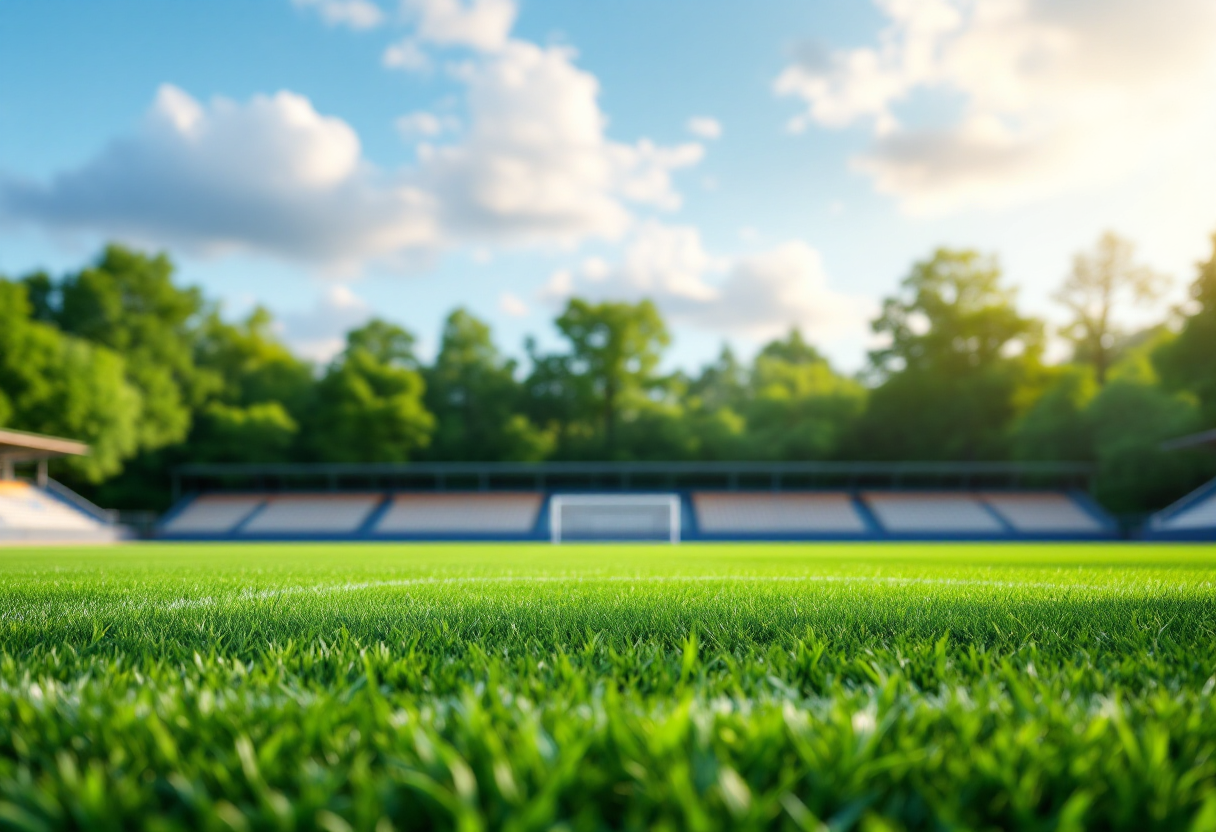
[1206,439]
[20,446]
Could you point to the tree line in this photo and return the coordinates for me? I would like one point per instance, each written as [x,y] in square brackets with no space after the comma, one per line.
[152,376]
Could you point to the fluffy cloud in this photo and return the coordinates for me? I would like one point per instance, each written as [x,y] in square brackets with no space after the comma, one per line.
[357,14]
[1053,94]
[704,127]
[760,295]
[407,55]
[271,175]
[535,165]
[484,25]
[512,306]
[274,176]
[424,125]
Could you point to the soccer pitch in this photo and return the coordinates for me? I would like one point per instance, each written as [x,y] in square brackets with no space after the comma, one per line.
[856,686]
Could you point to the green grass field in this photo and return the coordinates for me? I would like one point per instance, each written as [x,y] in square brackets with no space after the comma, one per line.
[807,687]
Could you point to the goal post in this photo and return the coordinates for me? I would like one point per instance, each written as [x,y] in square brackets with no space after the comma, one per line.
[614,517]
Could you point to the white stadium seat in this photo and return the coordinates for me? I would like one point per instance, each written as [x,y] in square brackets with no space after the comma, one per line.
[313,514]
[1043,513]
[469,513]
[1199,515]
[27,513]
[213,514]
[932,513]
[777,513]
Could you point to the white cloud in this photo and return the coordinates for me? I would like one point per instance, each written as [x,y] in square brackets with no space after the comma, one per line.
[270,176]
[406,54]
[357,14]
[320,333]
[483,25]
[705,127]
[424,125]
[273,176]
[1051,95]
[760,295]
[512,306]
[535,165]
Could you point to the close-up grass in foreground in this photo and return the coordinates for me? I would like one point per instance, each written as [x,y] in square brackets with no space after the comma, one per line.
[336,687]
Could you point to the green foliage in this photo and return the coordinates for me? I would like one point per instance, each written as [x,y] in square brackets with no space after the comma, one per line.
[1098,285]
[1130,419]
[1056,426]
[253,365]
[386,342]
[798,407]
[616,348]
[128,303]
[262,432]
[368,410]
[958,356]
[473,393]
[748,687]
[54,383]
[1187,363]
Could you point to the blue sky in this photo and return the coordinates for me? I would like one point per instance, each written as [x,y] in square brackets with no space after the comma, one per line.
[748,166]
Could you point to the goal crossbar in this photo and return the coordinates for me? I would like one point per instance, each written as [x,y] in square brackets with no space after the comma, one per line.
[615,507]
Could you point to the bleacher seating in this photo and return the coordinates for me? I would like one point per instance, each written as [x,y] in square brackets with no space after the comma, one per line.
[1048,513]
[305,514]
[1196,514]
[777,513]
[933,513]
[212,514]
[458,514]
[719,515]
[29,514]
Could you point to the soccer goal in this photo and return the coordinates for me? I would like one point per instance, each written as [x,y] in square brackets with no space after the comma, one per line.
[614,517]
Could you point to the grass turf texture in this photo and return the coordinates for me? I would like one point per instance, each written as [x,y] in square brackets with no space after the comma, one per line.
[530,687]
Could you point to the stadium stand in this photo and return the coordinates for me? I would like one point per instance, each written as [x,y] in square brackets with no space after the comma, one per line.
[1045,513]
[211,515]
[47,511]
[777,514]
[934,514]
[1191,518]
[461,514]
[712,501]
[29,514]
[311,515]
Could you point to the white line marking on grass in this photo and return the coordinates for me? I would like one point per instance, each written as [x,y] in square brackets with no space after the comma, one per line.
[331,589]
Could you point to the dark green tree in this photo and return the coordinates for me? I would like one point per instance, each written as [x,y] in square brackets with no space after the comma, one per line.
[1189,361]
[264,393]
[368,409]
[57,384]
[386,342]
[128,303]
[1129,419]
[477,400]
[253,366]
[1056,426]
[958,357]
[799,408]
[616,347]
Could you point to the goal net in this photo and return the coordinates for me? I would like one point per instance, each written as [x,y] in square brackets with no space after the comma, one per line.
[614,517]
